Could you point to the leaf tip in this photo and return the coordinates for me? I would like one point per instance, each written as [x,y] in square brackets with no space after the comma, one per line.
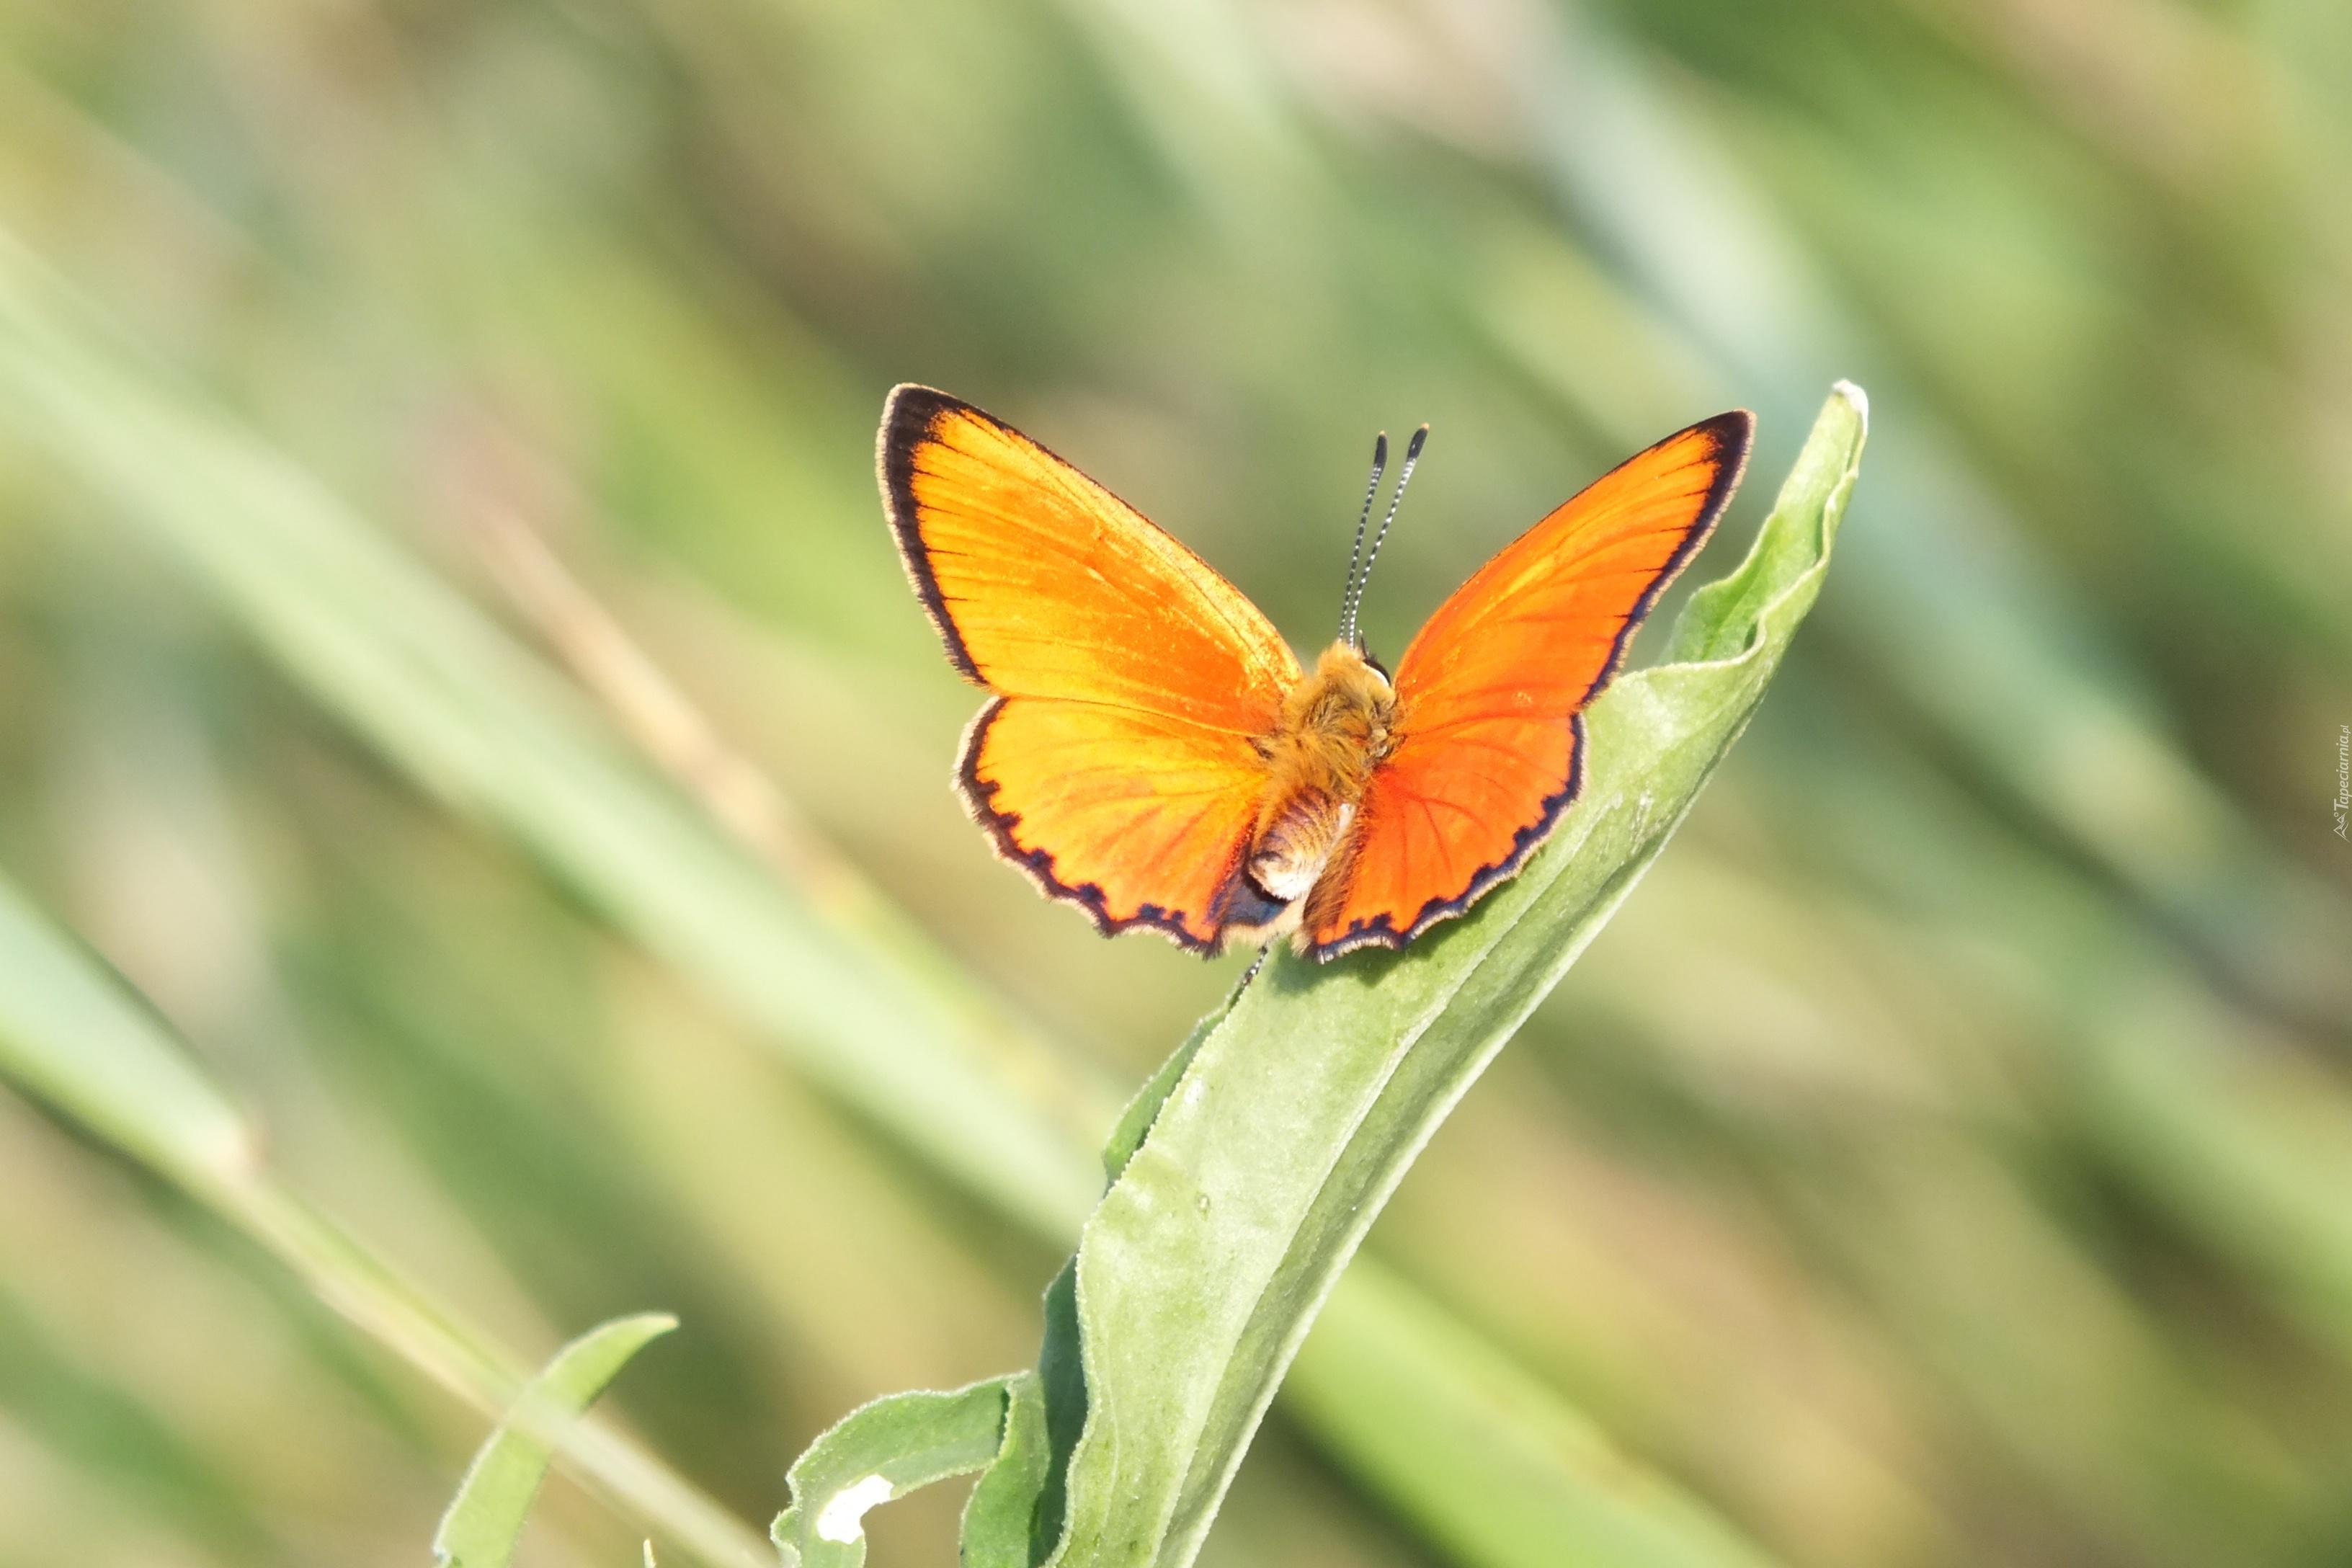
[1855,397]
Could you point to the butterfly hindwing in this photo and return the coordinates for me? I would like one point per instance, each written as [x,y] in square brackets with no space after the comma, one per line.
[1116,765]
[1489,745]
[1140,820]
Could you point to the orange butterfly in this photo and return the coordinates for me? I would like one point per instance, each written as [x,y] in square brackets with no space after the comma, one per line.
[1152,751]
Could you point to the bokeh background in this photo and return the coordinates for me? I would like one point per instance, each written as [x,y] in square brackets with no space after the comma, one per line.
[1946,1156]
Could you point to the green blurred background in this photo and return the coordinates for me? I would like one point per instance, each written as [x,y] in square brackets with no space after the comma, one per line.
[1946,1157]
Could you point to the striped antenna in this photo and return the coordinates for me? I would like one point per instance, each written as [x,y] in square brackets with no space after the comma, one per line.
[1348,589]
[1359,581]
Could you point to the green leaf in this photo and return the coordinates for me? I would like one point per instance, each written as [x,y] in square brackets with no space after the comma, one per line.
[1302,1107]
[485,1519]
[1001,1521]
[1061,1373]
[1142,1111]
[886,1450]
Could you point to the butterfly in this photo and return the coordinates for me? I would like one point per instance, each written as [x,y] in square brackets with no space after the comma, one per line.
[1152,750]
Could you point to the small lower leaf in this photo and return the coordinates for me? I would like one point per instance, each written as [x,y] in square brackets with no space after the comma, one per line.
[889,1448]
[485,1519]
[1001,1518]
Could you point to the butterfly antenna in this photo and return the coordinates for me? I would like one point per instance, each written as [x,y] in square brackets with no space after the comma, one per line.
[1404,478]
[1347,590]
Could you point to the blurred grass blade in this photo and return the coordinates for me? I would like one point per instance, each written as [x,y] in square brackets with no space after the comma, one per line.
[1302,1107]
[103,1419]
[75,1037]
[1443,1419]
[486,1518]
[487,727]
[882,1451]
[2050,706]
[70,1036]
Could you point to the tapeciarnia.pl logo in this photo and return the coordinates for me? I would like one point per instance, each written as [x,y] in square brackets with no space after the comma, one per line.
[2343,778]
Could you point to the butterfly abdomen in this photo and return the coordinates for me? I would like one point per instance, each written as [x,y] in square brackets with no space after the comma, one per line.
[1334,729]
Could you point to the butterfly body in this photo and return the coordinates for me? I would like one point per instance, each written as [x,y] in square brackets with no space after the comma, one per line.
[1334,733]
[1153,752]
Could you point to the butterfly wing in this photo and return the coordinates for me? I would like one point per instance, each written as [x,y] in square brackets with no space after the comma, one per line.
[1115,763]
[1489,742]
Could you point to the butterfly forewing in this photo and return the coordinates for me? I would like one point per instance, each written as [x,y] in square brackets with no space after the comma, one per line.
[1115,765]
[1044,583]
[1488,747]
